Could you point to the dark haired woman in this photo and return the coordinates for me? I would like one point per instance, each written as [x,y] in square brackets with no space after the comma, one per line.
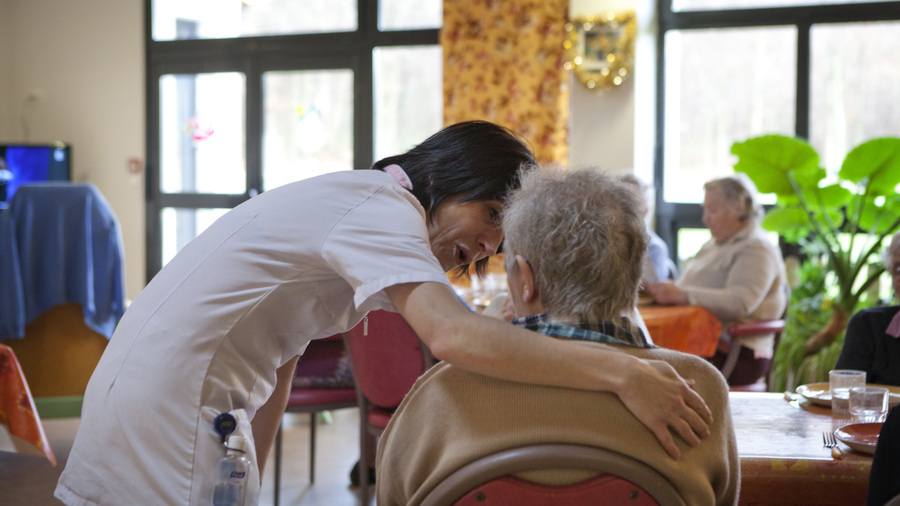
[218,330]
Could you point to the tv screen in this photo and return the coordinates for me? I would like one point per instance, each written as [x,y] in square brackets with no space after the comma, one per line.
[31,163]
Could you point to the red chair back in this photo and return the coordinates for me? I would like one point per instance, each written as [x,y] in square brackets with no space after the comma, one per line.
[509,490]
[620,479]
[321,356]
[387,357]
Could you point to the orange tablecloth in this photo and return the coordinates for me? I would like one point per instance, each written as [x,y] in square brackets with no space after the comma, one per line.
[691,329]
[17,412]
[783,460]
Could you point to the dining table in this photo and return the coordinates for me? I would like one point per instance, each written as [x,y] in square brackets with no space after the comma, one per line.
[689,329]
[783,457]
[20,426]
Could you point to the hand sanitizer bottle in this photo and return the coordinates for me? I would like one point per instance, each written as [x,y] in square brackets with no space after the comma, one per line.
[234,471]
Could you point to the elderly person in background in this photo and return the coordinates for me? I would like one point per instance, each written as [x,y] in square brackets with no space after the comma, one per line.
[872,341]
[738,275]
[573,248]
[657,264]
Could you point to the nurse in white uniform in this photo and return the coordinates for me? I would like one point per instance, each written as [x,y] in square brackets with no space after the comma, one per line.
[220,328]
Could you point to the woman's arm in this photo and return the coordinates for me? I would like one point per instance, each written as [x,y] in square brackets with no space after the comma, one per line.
[651,390]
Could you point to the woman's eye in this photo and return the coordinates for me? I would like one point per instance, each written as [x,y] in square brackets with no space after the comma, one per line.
[495,215]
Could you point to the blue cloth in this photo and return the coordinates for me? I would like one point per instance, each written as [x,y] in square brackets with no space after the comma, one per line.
[658,251]
[69,249]
[12,304]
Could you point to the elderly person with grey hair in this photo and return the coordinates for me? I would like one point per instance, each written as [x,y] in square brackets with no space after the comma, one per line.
[738,275]
[872,340]
[573,243]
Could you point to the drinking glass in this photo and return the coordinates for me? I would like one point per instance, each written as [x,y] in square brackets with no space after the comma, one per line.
[868,404]
[840,382]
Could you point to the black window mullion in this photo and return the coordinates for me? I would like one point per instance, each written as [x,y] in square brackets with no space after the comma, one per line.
[254,128]
[801,127]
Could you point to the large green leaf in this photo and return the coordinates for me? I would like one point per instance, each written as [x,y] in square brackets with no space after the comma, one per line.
[768,160]
[783,220]
[880,219]
[830,199]
[879,161]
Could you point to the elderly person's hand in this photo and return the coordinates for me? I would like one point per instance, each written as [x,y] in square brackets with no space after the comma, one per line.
[668,294]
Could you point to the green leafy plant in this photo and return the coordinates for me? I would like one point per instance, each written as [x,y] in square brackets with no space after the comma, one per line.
[841,217]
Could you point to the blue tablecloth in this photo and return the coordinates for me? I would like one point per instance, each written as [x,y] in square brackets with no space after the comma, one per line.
[60,242]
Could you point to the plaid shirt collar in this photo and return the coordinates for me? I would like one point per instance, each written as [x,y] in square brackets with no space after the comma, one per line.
[622,332]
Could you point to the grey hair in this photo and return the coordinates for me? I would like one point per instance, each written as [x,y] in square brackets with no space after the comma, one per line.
[887,256]
[583,233]
[740,196]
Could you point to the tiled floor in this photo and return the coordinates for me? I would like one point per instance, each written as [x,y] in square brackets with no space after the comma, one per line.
[27,480]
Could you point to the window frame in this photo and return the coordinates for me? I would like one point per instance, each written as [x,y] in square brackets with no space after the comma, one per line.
[672,216]
[253,56]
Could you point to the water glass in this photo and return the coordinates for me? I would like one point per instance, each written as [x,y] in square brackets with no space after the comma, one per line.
[840,382]
[868,404]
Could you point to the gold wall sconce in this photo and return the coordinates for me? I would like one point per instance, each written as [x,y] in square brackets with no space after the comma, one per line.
[600,49]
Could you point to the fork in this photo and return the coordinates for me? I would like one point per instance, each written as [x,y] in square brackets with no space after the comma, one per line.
[830,442]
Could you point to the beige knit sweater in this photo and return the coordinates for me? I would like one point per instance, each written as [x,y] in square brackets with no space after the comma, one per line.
[452,416]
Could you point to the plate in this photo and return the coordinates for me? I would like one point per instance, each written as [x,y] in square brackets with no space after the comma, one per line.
[820,393]
[862,437]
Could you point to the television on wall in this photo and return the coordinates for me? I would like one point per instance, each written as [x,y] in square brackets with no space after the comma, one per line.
[32,163]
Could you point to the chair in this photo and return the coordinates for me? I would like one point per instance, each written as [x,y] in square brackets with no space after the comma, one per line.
[387,358]
[319,359]
[752,329]
[621,479]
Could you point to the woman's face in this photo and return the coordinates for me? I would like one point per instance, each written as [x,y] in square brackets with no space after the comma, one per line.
[721,219]
[464,232]
[895,270]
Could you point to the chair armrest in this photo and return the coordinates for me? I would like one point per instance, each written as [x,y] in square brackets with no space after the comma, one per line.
[751,329]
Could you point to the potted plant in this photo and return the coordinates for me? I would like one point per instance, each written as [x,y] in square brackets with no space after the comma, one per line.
[841,217]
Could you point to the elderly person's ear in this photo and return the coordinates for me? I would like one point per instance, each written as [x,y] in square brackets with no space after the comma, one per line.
[525,279]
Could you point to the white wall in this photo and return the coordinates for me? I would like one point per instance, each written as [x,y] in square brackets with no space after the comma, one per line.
[5,70]
[86,58]
[614,129]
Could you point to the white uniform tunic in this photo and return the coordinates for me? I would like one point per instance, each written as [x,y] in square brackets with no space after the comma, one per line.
[296,263]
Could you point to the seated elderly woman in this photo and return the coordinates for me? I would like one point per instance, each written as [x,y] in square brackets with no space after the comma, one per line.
[738,275]
[657,265]
[872,340]
[574,241]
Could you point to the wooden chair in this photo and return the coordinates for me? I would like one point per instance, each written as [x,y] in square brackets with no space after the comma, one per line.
[387,358]
[319,359]
[489,480]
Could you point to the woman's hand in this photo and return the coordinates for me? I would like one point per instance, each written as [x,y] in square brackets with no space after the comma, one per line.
[665,402]
[668,294]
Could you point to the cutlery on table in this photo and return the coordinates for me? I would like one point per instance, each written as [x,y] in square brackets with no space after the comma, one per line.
[830,442]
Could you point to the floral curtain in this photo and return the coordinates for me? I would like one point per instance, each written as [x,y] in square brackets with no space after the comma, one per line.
[503,62]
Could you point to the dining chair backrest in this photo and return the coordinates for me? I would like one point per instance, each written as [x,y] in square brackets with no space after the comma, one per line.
[320,359]
[738,330]
[387,357]
[620,479]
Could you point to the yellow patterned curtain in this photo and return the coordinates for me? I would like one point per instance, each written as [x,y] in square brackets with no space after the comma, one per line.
[503,62]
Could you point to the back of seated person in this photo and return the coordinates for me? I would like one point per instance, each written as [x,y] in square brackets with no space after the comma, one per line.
[573,242]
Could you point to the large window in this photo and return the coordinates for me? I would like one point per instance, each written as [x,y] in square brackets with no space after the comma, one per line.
[244,96]
[728,70]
